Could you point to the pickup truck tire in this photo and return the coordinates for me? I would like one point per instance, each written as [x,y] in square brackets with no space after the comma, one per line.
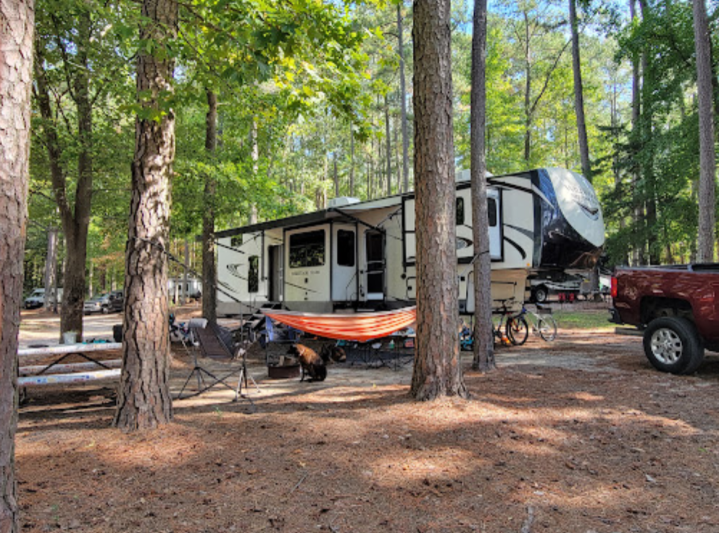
[673,345]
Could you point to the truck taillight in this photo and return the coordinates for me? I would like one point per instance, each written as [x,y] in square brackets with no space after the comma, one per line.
[613,291]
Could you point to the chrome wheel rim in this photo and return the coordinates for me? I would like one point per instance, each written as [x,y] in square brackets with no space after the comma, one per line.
[666,346]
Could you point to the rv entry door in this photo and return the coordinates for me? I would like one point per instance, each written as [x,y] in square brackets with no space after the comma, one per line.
[374,267]
[276,273]
[344,263]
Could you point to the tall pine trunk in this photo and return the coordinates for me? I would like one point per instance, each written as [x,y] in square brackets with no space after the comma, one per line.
[579,93]
[144,395]
[388,142]
[527,92]
[483,335]
[403,102]
[437,370]
[17,18]
[638,213]
[707,155]
[50,278]
[209,270]
[647,131]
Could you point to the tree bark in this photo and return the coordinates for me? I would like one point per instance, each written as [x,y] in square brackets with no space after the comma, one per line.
[707,161]
[209,269]
[579,93]
[144,396]
[403,102]
[437,371]
[483,334]
[17,22]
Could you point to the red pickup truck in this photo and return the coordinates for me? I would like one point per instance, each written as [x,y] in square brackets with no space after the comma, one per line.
[677,307]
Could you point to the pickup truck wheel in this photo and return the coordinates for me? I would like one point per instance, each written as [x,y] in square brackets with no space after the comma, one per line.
[672,344]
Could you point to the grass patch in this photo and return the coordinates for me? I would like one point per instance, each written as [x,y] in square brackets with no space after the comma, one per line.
[586,319]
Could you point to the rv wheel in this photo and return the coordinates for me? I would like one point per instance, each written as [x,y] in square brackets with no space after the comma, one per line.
[540,294]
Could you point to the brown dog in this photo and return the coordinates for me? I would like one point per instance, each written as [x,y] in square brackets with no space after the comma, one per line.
[311,363]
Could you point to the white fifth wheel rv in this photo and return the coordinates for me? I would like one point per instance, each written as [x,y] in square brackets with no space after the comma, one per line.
[361,255]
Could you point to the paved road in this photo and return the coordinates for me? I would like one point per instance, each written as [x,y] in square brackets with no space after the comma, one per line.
[42,328]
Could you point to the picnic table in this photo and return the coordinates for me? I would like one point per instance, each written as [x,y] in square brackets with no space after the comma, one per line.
[47,374]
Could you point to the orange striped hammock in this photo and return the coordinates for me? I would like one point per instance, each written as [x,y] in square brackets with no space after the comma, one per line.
[351,327]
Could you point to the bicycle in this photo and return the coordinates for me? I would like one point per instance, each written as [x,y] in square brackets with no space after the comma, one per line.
[516,329]
[509,330]
[544,324]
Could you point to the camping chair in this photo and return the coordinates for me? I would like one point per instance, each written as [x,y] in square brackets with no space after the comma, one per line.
[213,343]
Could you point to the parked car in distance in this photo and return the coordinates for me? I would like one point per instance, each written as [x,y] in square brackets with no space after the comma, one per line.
[36,298]
[109,302]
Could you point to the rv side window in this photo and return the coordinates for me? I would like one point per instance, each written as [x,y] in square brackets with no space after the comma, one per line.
[492,210]
[236,240]
[345,248]
[460,211]
[253,278]
[307,249]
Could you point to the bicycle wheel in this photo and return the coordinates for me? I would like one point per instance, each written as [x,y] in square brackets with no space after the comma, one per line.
[517,330]
[547,327]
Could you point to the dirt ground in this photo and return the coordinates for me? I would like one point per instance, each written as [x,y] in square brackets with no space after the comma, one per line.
[579,436]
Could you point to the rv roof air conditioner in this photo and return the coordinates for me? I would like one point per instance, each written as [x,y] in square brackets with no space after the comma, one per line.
[342,201]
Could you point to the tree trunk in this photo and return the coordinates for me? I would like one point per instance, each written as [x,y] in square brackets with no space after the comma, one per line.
[388,140]
[352,163]
[403,102]
[527,92]
[707,161]
[483,334]
[638,214]
[16,37]
[579,93]
[209,269]
[75,221]
[437,370]
[144,396]
[647,121]
[254,215]
[185,271]
[335,176]
[50,279]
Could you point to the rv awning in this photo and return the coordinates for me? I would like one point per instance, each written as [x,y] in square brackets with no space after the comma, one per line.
[332,213]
